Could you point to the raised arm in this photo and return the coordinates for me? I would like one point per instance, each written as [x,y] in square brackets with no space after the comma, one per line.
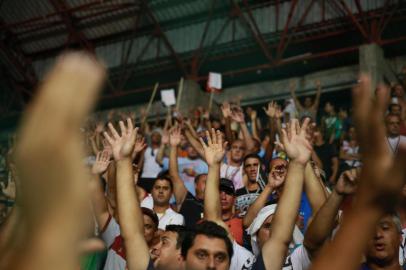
[254,121]
[132,226]
[314,189]
[292,88]
[324,221]
[226,111]
[298,149]
[375,193]
[275,180]
[318,94]
[214,152]
[49,160]
[98,199]
[271,112]
[238,116]
[161,151]
[179,188]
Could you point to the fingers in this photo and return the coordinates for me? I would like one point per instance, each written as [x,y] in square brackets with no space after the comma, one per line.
[108,138]
[362,102]
[213,136]
[123,129]
[105,156]
[304,128]
[113,131]
[219,137]
[209,141]
[98,156]
[130,124]
[203,143]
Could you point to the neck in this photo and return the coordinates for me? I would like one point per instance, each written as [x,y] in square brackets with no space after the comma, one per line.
[251,186]
[393,135]
[394,265]
[155,145]
[160,208]
[226,215]
[200,196]
[234,163]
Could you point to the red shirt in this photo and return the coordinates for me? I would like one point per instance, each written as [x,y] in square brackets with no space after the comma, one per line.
[236,229]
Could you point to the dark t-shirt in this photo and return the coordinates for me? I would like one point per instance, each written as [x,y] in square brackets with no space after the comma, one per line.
[244,198]
[192,209]
[326,152]
[150,265]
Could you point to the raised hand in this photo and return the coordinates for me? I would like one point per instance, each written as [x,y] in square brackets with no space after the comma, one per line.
[226,109]
[275,179]
[271,110]
[347,182]
[175,137]
[165,137]
[295,142]
[238,115]
[122,145]
[102,162]
[381,164]
[140,145]
[214,150]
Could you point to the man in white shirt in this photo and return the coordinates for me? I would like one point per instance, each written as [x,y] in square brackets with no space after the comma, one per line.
[158,201]
[233,170]
[393,137]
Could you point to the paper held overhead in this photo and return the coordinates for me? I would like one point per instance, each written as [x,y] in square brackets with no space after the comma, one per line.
[214,82]
[168,97]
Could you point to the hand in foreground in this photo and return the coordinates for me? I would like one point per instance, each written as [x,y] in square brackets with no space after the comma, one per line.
[215,149]
[122,145]
[295,142]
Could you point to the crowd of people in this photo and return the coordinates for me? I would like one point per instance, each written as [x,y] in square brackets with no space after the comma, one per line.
[304,188]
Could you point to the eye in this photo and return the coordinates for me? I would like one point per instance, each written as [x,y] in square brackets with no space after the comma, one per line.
[201,255]
[220,258]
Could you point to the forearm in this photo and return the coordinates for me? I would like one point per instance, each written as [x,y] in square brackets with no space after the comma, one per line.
[255,133]
[229,133]
[129,211]
[334,168]
[313,188]
[323,223]
[99,201]
[195,143]
[178,187]
[285,217]
[258,204]
[247,137]
[160,154]
[357,222]
[212,208]
[191,130]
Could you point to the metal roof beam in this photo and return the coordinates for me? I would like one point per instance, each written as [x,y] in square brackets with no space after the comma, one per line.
[161,33]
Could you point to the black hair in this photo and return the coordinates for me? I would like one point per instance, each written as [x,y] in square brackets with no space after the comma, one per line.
[211,230]
[180,230]
[151,214]
[163,176]
[197,178]
[251,156]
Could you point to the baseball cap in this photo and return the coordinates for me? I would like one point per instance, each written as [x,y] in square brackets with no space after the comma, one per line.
[227,186]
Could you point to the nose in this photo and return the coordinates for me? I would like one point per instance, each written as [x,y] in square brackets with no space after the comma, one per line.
[222,195]
[211,263]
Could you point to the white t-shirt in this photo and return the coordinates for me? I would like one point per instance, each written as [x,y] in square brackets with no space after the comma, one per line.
[115,254]
[242,259]
[151,168]
[170,217]
[232,173]
[395,142]
[402,249]
[351,150]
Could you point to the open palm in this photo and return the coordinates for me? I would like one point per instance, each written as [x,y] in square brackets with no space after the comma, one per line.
[122,145]
[214,150]
[295,143]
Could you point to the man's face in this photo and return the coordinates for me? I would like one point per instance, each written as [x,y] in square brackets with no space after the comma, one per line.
[398,91]
[396,109]
[149,229]
[264,233]
[308,102]
[207,253]
[227,201]
[200,185]
[161,192]
[328,108]
[156,138]
[237,151]
[251,168]
[191,152]
[168,256]
[384,246]
[393,125]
